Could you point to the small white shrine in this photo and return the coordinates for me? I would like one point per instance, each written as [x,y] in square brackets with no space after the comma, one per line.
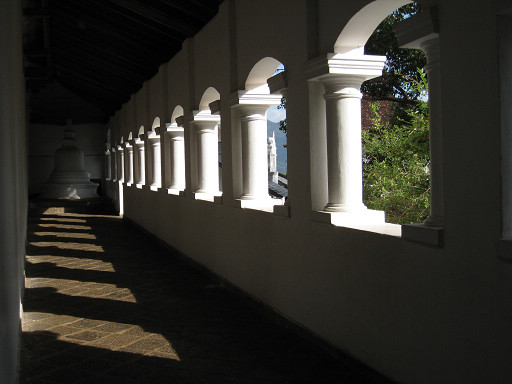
[69,179]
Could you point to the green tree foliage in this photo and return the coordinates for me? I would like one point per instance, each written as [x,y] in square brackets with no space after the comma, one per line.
[396,160]
[401,64]
[282,123]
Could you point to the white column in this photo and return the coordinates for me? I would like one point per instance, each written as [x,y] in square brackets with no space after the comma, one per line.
[128,163]
[177,156]
[120,164]
[206,128]
[156,165]
[422,32]
[113,151]
[254,152]
[253,118]
[342,77]
[140,176]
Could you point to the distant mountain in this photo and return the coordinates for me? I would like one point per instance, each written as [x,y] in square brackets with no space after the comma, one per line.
[282,154]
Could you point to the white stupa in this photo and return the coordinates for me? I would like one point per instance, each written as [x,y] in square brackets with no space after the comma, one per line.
[69,179]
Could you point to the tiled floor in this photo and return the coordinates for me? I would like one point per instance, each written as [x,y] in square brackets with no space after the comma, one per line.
[104,304]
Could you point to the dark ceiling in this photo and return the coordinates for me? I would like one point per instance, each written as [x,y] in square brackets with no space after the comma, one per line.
[84,58]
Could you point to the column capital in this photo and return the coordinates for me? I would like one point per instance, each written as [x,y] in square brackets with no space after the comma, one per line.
[173,130]
[247,101]
[137,142]
[352,69]
[418,29]
[204,115]
[152,136]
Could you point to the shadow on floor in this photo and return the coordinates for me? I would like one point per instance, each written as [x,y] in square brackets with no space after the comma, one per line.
[105,303]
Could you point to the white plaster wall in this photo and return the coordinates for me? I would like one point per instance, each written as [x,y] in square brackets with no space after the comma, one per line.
[416,313]
[45,139]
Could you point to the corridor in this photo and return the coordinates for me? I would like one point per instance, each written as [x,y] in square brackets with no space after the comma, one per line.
[105,304]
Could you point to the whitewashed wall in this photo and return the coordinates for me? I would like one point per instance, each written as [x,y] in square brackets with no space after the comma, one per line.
[416,313]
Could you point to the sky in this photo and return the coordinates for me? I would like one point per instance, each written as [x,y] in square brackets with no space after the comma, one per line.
[276,115]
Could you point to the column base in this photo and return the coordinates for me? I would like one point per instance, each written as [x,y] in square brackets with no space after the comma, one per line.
[344,208]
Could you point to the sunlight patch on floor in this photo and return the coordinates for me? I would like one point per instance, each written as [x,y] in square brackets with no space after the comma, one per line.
[67,235]
[69,246]
[107,335]
[88,289]
[65,226]
[63,219]
[73,262]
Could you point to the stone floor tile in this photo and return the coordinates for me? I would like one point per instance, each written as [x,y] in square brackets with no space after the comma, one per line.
[115,341]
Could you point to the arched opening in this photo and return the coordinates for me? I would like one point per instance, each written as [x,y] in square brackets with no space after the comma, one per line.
[257,152]
[174,143]
[396,157]
[156,123]
[128,160]
[139,158]
[108,158]
[362,25]
[205,147]
[337,167]
[257,79]
[120,161]
[154,164]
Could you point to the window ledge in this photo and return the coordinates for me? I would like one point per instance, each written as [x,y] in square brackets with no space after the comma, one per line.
[173,191]
[265,204]
[139,186]
[367,220]
[420,233]
[505,249]
[211,197]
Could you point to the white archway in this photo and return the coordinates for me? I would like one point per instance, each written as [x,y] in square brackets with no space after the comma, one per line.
[360,27]
[210,95]
[257,79]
